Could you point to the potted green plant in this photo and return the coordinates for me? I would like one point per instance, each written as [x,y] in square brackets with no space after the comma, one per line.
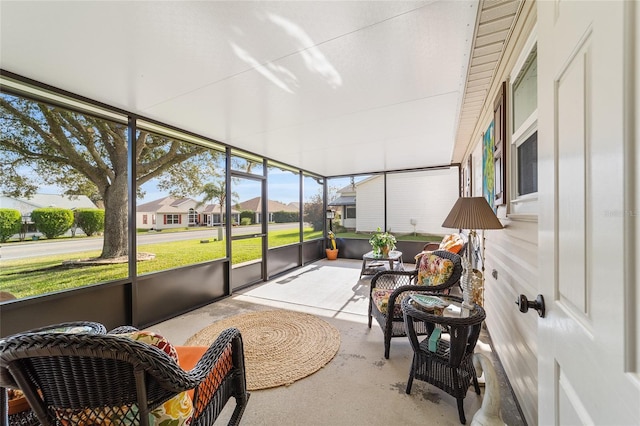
[332,251]
[382,243]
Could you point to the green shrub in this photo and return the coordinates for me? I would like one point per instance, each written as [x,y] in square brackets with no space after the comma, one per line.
[10,221]
[51,221]
[247,214]
[337,228]
[90,220]
[285,217]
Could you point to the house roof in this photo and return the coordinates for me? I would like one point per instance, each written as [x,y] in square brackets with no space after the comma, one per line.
[170,204]
[344,201]
[211,208]
[51,200]
[215,208]
[351,188]
[277,206]
[253,204]
[167,204]
[272,206]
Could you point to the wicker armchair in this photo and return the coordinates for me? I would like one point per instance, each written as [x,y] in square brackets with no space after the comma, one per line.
[65,375]
[395,283]
[26,417]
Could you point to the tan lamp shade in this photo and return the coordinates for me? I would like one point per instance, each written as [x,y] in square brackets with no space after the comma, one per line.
[472,213]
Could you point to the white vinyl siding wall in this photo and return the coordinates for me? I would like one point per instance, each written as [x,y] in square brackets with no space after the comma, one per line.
[140,223]
[426,197]
[512,253]
[370,204]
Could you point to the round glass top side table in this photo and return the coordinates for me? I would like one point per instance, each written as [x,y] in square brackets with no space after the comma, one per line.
[444,363]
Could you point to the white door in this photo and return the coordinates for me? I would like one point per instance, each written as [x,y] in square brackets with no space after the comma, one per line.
[588,342]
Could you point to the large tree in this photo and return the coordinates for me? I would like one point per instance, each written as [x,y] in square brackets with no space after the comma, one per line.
[42,144]
[314,212]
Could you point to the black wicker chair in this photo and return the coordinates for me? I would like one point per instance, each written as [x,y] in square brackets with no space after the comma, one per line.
[391,321]
[27,417]
[450,366]
[107,374]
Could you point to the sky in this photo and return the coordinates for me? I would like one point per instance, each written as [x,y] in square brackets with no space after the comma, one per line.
[283,187]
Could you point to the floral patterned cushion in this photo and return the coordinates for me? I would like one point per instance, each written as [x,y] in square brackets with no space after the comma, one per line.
[381,297]
[153,339]
[434,270]
[422,253]
[177,411]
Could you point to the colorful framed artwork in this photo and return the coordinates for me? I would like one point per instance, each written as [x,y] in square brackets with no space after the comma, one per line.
[488,172]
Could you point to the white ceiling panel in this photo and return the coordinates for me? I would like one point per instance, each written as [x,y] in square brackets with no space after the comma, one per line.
[333,87]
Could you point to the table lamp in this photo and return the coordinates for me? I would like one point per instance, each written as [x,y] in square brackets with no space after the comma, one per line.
[472,213]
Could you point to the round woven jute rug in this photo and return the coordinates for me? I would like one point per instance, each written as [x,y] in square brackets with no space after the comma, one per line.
[280,346]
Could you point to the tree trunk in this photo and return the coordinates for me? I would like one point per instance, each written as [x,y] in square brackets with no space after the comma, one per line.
[116,219]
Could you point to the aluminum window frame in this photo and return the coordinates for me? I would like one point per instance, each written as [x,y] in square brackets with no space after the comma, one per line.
[521,204]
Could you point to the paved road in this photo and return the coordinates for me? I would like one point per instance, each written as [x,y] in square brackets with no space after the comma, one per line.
[74,245]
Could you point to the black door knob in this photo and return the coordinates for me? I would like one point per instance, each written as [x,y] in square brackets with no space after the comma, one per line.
[537,304]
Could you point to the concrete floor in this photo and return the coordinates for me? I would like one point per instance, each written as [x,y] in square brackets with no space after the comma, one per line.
[359,386]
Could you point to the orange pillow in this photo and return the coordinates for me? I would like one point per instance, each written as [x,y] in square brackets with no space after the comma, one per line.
[452,243]
[188,357]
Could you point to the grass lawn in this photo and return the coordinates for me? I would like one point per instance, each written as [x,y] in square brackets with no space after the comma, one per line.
[399,237]
[34,276]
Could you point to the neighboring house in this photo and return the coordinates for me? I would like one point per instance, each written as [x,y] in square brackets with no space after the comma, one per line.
[255,205]
[420,200]
[213,215]
[26,205]
[370,204]
[167,212]
[345,206]
[170,212]
[36,201]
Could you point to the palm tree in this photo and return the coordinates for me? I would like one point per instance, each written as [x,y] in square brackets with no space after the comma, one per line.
[216,192]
